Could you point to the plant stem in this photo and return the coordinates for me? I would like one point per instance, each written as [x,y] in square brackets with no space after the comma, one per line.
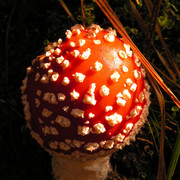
[174,158]
[67,10]
[83,14]
[80,169]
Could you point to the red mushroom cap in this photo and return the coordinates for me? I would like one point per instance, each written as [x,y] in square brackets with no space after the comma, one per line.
[87,95]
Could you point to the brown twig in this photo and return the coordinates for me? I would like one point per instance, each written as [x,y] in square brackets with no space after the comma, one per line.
[83,14]
[145,140]
[67,11]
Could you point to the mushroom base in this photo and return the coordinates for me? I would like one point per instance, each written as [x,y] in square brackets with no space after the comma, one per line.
[70,169]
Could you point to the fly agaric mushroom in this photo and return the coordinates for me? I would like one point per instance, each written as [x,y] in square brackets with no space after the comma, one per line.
[84,99]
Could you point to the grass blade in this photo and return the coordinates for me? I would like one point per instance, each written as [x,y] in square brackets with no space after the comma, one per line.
[174,158]
[153,136]
[138,18]
[161,174]
[165,64]
[167,77]
[67,10]
[155,15]
[83,13]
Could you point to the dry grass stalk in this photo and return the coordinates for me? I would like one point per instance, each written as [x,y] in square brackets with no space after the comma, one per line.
[161,174]
[83,13]
[67,10]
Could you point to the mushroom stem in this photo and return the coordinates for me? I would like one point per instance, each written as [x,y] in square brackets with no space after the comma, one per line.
[70,169]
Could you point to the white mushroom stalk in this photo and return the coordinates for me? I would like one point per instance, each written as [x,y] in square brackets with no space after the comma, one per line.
[67,169]
[84,99]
